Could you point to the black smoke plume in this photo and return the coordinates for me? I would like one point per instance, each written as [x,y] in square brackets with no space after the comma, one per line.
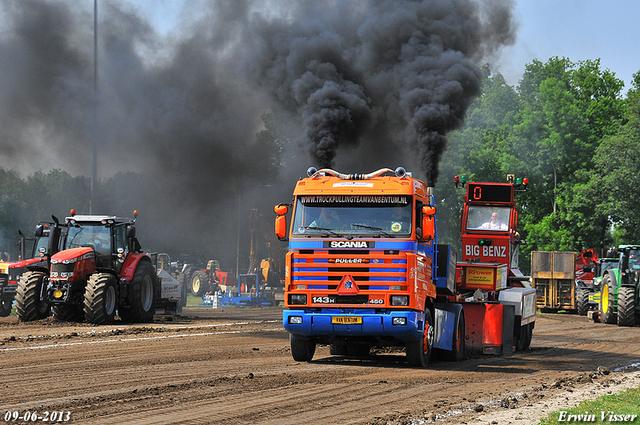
[185,117]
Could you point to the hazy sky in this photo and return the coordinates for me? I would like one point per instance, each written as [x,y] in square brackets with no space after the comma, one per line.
[576,29]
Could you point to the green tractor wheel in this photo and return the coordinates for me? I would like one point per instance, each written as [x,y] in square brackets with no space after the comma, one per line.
[626,306]
[607,301]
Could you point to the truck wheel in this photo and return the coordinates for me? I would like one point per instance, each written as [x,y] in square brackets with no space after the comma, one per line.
[419,352]
[143,296]
[529,335]
[457,353]
[524,341]
[5,308]
[302,350]
[198,283]
[606,301]
[582,302]
[626,306]
[28,304]
[100,299]
[67,313]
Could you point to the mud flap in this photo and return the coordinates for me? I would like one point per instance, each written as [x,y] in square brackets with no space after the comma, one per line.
[445,322]
[489,328]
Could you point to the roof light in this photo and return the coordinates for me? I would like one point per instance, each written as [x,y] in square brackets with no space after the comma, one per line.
[73,212]
[456,179]
[525,181]
[519,181]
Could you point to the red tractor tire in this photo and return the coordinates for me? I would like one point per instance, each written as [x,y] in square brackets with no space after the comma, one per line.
[142,304]
[28,304]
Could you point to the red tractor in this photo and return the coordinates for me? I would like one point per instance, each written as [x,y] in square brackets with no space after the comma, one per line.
[99,269]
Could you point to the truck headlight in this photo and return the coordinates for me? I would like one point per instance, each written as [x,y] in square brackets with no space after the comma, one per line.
[297,299]
[295,320]
[402,300]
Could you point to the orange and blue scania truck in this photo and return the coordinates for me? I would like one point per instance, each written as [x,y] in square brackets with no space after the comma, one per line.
[364,270]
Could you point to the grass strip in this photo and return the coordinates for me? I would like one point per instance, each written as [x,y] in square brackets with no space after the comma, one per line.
[618,408]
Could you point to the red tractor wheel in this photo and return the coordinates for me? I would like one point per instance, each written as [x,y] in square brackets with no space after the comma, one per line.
[142,304]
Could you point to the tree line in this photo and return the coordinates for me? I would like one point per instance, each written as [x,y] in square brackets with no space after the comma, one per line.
[567,126]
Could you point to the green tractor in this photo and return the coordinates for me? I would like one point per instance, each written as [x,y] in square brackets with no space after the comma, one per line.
[620,287]
[588,299]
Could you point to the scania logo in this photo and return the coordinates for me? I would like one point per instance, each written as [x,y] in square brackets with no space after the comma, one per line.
[348,244]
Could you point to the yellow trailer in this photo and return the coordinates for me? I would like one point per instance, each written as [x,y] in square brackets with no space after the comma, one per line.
[553,274]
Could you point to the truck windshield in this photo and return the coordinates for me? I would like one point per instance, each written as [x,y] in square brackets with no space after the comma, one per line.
[488,218]
[355,216]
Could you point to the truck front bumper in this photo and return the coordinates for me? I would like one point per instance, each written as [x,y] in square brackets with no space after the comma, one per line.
[399,324]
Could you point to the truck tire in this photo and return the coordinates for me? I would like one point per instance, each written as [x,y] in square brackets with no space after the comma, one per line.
[529,335]
[302,350]
[607,299]
[67,313]
[524,338]
[626,306]
[5,307]
[100,299]
[28,304]
[419,352]
[143,296]
[199,284]
[582,302]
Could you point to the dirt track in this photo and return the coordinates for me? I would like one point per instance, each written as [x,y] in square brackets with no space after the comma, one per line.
[233,366]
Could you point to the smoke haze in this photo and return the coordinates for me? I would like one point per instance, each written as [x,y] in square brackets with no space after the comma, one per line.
[223,115]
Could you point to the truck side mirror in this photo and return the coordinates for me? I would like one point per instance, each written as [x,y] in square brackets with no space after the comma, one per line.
[428,223]
[281,221]
[281,209]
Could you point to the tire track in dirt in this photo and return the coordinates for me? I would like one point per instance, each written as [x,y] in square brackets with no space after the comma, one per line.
[198,370]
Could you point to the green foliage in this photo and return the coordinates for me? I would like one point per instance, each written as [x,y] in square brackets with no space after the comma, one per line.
[617,162]
[563,127]
[25,202]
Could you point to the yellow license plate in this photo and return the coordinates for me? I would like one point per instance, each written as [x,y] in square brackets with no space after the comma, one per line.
[346,320]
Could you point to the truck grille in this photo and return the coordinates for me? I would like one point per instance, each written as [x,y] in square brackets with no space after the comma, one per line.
[324,269]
